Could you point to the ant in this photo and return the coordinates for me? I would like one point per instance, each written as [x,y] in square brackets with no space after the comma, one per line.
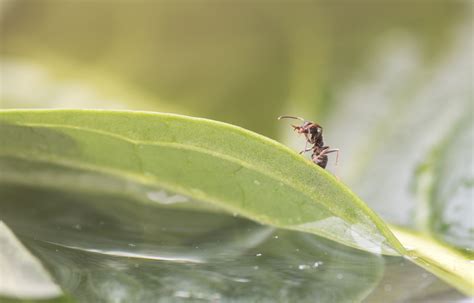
[314,136]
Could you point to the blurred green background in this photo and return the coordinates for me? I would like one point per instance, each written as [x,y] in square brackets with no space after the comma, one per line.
[389,80]
[242,62]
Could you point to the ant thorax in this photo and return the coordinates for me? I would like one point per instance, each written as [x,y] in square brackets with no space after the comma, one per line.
[316,134]
[318,141]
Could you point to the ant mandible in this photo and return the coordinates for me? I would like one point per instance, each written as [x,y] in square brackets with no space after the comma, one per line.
[314,136]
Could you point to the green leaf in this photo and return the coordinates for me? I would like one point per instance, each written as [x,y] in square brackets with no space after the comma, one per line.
[224,165]
[22,276]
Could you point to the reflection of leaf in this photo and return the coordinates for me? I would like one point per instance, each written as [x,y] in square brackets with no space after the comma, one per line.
[21,275]
[104,248]
[208,161]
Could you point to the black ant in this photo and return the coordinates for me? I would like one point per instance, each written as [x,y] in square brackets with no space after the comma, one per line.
[314,136]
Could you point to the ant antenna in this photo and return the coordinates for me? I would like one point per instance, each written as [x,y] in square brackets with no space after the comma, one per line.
[291,117]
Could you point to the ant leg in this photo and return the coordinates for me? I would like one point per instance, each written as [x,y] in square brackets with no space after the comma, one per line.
[334,150]
[306,149]
[326,151]
[307,138]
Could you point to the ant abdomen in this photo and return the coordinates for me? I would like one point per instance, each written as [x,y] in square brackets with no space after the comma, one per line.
[321,160]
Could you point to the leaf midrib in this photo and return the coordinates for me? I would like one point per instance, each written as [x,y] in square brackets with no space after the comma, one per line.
[300,187]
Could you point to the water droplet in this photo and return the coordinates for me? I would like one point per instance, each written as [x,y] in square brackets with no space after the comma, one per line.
[387,287]
[258,255]
[303,266]
[256,182]
[78,226]
[297,249]
[241,280]
[316,264]
[182,294]
[215,297]
[340,276]
[276,237]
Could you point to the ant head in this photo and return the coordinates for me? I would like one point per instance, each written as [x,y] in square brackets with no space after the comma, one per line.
[306,128]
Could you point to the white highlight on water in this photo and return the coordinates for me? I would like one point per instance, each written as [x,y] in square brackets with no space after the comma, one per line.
[135,254]
[163,197]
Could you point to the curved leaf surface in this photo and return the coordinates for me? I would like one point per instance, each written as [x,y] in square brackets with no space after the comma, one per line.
[225,165]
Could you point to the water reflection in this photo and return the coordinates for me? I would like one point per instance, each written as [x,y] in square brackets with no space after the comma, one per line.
[105,248]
